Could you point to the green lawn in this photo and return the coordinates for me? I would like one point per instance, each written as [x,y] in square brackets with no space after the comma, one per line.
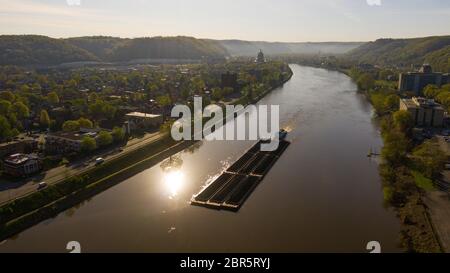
[423,182]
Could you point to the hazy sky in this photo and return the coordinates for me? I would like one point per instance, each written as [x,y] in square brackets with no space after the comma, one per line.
[269,20]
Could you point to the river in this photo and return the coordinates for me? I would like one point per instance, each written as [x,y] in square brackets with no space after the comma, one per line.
[323,195]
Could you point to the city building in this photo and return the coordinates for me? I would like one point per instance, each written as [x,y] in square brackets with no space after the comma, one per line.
[425,112]
[67,142]
[229,80]
[260,58]
[417,81]
[139,120]
[20,165]
[26,145]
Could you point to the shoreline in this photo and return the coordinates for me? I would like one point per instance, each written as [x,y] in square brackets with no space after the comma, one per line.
[92,182]
[413,209]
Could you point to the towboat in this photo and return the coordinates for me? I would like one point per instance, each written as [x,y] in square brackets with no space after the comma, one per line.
[282,134]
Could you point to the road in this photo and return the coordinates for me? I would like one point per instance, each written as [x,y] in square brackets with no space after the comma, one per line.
[13,190]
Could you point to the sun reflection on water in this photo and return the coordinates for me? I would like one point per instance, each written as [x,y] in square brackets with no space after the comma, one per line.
[174,181]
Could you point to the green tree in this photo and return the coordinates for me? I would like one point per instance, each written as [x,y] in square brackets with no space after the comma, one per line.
[391,103]
[88,144]
[44,119]
[5,128]
[395,148]
[7,95]
[104,138]
[21,110]
[163,100]
[403,120]
[429,158]
[5,107]
[366,82]
[71,126]
[108,111]
[85,123]
[217,94]
[431,91]
[53,98]
[118,134]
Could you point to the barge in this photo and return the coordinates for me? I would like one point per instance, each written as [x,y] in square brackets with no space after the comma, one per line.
[231,188]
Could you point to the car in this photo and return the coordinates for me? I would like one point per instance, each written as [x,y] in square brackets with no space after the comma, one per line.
[42,185]
[99,161]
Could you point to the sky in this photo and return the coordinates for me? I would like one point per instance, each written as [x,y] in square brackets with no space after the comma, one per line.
[256,20]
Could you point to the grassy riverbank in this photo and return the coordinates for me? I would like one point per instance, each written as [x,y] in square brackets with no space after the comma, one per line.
[408,167]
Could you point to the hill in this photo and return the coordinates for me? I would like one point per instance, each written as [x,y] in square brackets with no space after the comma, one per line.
[100,46]
[166,48]
[42,50]
[248,48]
[405,52]
[39,50]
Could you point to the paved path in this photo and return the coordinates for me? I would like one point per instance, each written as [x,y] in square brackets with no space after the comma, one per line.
[13,190]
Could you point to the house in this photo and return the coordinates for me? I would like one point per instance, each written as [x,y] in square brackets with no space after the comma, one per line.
[20,165]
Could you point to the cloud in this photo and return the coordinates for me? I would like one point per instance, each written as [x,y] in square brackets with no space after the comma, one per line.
[73,2]
[374,2]
[33,8]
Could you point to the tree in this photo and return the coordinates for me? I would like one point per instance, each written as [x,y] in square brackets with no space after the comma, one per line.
[228,91]
[85,123]
[429,158]
[5,128]
[44,119]
[109,111]
[71,126]
[431,91]
[395,148]
[217,94]
[21,110]
[365,82]
[163,100]
[403,120]
[391,103]
[53,98]
[88,144]
[7,95]
[5,107]
[104,138]
[118,134]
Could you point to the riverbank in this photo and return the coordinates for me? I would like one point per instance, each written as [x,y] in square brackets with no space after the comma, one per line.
[401,169]
[30,210]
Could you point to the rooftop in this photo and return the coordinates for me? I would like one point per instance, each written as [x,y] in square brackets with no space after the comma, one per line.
[416,102]
[17,159]
[73,135]
[142,115]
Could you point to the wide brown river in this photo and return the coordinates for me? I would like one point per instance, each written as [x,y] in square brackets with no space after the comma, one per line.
[323,195]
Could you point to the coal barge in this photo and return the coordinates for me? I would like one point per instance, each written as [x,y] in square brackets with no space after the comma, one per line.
[230,190]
